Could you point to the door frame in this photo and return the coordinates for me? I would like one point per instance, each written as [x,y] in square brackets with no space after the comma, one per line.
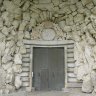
[60,43]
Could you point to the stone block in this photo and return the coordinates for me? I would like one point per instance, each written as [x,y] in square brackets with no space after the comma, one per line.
[44,1]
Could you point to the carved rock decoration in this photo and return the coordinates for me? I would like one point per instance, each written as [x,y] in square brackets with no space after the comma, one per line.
[47,31]
[48,34]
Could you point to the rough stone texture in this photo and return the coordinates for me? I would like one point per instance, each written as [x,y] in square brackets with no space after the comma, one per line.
[2,78]
[70,19]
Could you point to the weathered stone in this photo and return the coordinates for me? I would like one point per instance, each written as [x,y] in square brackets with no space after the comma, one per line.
[9,44]
[20,35]
[10,88]
[11,7]
[85,2]
[17,68]
[44,1]
[73,7]
[2,78]
[61,24]
[90,39]
[32,22]
[78,18]
[65,9]
[67,28]
[93,77]
[22,25]
[87,84]
[18,58]
[46,6]
[10,78]
[18,82]
[69,20]
[72,1]
[26,16]
[90,6]
[7,65]
[26,5]
[94,10]
[17,2]
[48,34]
[94,1]
[1,23]
[27,35]
[1,1]
[22,49]
[6,58]
[5,31]
[15,24]
[56,2]
[90,28]
[20,43]
[2,45]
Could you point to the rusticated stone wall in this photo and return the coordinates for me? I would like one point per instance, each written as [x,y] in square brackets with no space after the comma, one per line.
[18,20]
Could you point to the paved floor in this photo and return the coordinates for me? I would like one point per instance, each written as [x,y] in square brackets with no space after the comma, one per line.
[70,92]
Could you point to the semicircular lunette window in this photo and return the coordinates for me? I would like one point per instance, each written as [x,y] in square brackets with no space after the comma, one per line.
[48,34]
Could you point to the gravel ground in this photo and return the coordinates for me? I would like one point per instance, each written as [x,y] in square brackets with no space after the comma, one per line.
[70,92]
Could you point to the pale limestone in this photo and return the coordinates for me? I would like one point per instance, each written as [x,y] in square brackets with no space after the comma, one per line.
[17,2]
[44,1]
[61,24]
[17,68]
[18,82]
[20,35]
[85,2]
[5,31]
[9,44]
[6,58]
[22,25]
[1,1]
[10,88]
[32,22]
[1,23]
[26,35]
[22,49]
[56,2]
[9,78]
[72,1]
[67,28]
[78,18]
[26,16]
[94,10]
[18,58]
[90,28]
[15,24]
[26,5]
[2,46]
[48,7]
[7,65]
[48,34]
[73,7]
[87,84]
[94,1]
[2,78]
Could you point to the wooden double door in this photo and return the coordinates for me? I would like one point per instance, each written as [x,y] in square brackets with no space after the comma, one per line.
[48,68]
